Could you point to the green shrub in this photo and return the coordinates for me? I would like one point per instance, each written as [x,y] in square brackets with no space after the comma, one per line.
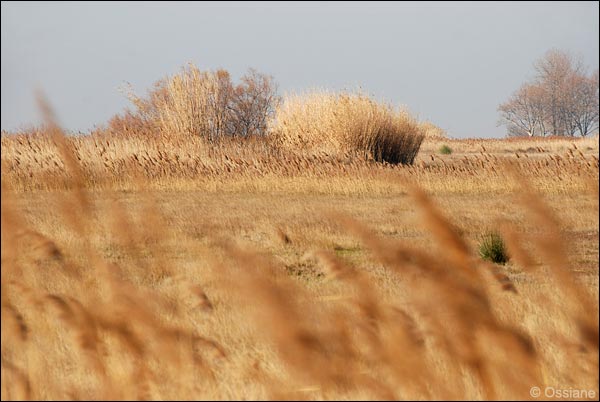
[492,248]
[445,150]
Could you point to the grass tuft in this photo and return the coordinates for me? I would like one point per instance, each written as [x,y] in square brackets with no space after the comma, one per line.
[445,150]
[492,248]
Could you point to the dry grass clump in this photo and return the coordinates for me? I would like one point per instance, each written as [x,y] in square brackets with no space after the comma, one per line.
[335,123]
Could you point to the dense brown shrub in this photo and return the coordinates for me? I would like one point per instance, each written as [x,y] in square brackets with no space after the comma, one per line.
[332,123]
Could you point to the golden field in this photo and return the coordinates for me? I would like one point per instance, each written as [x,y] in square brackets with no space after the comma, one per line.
[166,268]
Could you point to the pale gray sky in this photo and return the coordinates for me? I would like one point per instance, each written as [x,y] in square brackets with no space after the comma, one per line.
[451,63]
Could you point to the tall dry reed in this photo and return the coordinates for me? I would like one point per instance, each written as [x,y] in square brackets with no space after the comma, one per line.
[347,123]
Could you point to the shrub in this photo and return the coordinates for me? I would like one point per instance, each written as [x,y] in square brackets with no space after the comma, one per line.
[445,150]
[492,248]
[324,122]
[208,104]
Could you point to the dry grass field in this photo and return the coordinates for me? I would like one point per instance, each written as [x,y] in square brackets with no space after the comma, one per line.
[166,268]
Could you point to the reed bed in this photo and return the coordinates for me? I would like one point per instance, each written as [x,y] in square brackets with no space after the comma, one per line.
[30,162]
[113,300]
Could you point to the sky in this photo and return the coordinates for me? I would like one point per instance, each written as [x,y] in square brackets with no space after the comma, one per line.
[451,63]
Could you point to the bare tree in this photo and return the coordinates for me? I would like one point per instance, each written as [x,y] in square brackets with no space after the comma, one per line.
[583,111]
[555,70]
[524,112]
[562,100]
[253,103]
